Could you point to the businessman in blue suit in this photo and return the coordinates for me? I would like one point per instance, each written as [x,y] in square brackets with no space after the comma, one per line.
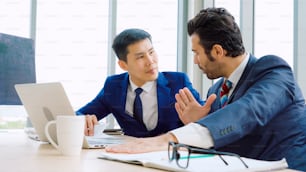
[137,56]
[256,108]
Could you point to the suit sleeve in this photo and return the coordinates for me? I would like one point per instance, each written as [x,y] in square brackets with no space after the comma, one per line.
[269,90]
[99,105]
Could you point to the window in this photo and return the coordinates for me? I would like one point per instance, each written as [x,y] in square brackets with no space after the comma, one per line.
[72,38]
[15,17]
[232,6]
[159,18]
[274,29]
[71,46]
[15,20]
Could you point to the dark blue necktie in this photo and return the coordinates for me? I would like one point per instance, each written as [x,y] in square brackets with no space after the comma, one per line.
[137,111]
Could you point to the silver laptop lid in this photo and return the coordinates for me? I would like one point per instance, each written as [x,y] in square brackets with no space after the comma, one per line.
[43,102]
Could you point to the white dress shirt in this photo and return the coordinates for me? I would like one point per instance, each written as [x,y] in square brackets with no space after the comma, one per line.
[149,108]
[195,134]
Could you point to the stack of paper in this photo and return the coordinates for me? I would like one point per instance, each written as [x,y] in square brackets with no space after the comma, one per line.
[206,163]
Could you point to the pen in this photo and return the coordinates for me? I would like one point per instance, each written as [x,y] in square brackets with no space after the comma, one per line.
[197,156]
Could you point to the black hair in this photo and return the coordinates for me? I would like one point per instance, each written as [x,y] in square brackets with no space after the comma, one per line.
[126,38]
[217,26]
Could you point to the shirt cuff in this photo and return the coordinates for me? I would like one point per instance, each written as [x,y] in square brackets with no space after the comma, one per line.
[195,135]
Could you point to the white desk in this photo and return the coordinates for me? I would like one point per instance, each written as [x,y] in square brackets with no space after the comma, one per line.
[18,153]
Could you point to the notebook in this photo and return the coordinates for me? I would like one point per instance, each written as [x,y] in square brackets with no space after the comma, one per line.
[207,162]
[44,101]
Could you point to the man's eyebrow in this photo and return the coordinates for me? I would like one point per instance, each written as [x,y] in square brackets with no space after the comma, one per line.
[139,53]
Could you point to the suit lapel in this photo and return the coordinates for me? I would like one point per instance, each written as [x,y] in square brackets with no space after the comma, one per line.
[164,98]
[162,90]
[236,93]
[244,80]
[216,90]
[120,91]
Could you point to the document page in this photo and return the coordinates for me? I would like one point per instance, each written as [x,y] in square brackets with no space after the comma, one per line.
[204,163]
[100,137]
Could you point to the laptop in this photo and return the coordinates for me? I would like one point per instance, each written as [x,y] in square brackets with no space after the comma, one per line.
[44,101]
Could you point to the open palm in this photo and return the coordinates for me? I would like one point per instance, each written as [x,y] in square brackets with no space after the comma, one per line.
[189,109]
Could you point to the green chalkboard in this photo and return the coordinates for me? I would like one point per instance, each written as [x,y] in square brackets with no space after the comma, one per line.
[17,65]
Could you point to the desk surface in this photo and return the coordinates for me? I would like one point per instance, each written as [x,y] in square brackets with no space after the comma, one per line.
[19,153]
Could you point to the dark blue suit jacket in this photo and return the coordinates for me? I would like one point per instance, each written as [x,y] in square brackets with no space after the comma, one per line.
[264,118]
[112,99]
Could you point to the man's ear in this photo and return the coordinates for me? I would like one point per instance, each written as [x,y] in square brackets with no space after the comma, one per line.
[123,65]
[218,51]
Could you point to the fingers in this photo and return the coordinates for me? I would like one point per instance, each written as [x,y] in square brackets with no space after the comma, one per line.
[141,145]
[121,148]
[210,100]
[189,95]
[179,101]
[180,112]
[184,96]
[187,107]
[178,109]
[90,121]
[128,147]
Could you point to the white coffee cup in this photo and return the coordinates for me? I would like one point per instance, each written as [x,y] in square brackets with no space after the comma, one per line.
[69,132]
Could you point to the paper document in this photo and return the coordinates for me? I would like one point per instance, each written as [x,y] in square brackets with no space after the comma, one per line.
[104,139]
[100,138]
[204,163]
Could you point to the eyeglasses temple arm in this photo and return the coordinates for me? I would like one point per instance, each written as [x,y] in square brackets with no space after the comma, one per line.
[212,151]
[223,160]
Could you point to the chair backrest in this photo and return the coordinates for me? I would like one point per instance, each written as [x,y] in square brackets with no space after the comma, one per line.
[17,65]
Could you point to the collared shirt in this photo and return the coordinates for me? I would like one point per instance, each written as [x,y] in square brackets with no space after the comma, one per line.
[197,135]
[236,75]
[149,108]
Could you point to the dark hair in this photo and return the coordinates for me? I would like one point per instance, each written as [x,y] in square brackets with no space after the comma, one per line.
[217,26]
[126,38]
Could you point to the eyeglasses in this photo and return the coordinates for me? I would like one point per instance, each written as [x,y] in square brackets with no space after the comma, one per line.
[181,153]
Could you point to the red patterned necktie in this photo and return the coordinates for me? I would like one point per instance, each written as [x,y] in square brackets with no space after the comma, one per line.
[226,86]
